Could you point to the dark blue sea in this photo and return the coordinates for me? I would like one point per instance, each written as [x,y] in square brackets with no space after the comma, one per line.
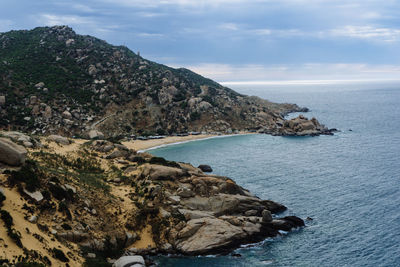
[348,183]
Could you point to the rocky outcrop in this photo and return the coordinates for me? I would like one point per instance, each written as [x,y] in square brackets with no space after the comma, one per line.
[300,126]
[175,207]
[11,153]
[22,139]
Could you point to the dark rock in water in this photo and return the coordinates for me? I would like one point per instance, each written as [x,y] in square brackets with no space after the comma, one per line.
[287,223]
[236,255]
[205,168]
[309,219]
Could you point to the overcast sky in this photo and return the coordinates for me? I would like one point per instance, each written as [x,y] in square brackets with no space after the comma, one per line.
[237,40]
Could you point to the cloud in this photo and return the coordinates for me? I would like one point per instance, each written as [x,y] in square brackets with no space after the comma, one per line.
[368,32]
[178,3]
[83,8]
[307,73]
[150,35]
[53,19]
[229,26]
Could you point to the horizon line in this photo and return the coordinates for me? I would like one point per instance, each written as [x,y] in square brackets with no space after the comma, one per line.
[306,82]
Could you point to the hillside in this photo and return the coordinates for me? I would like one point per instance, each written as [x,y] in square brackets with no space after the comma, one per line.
[65,202]
[53,80]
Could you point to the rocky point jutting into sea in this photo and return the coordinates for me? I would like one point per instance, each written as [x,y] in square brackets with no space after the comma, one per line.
[92,200]
[80,198]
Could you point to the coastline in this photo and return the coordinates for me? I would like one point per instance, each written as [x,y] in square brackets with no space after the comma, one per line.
[145,145]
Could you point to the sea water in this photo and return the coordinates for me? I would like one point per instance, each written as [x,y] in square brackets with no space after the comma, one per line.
[349,183]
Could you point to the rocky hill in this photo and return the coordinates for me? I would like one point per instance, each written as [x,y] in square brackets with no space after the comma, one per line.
[53,80]
[79,201]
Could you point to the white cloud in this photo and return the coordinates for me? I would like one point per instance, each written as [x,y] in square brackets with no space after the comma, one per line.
[150,35]
[368,32]
[83,8]
[229,26]
[262,31]
[308,73]
[179,3]
[52,19]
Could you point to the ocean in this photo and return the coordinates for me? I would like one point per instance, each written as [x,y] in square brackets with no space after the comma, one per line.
[349,183]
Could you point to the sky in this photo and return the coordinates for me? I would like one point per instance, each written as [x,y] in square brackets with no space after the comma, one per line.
[237,41]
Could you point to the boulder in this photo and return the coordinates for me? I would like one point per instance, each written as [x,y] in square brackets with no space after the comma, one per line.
[287,223]
[195,214]
[33,100]
[95,134]
[33,219]
[92,70]
[204,235]
[266,216]
[224,204]
[116,154]
[37,196]
[47,113]
[11,153]
[67,115]
[160,172]
[39,85]
[125,261]
[205,168]
[58,139]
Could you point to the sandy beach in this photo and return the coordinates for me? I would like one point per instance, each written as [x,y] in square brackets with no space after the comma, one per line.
[147,144]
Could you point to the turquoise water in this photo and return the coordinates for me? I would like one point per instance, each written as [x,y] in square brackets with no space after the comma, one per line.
[348,183]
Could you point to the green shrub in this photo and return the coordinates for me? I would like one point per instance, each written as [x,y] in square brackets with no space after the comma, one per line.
[16,236]
[164,162]
[27,174]
[2,198]
[98,262]
[29,264]
[7,219]
[58,254]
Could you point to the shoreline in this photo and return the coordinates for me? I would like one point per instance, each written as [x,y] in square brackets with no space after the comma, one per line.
[146,145]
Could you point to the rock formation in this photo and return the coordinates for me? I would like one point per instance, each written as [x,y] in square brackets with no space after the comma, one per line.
[105,197]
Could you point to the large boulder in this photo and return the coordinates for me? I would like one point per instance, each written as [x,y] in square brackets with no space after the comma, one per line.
[205,168]
[11,153]
[126,261]
[287,223]
[226,204]
[203,235]
[160,172]
[58,139]
[95,134]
